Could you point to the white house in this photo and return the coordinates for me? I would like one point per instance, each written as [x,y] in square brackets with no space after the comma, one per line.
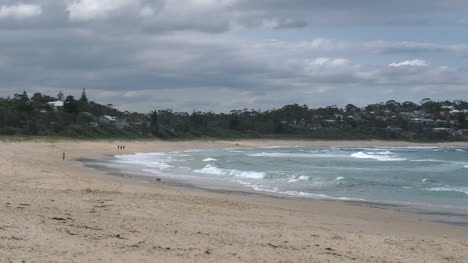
[56,105]
[106,120]
[462,132]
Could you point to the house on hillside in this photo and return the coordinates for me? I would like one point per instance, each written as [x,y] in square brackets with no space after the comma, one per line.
[56,105]
[421,114]
[394,129]
[462,132]
[455,112]
[106,120]
[86,115]
[354,117]
[444,130]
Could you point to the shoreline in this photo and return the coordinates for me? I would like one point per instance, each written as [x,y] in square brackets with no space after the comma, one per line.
[433,214]
[245,141]
[55,211]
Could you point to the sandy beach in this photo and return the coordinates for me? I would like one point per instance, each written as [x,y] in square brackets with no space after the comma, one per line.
[55,210]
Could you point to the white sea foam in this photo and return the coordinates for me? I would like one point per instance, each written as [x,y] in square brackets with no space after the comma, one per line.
[381,153]
[466,166]
[339,178]
[450,189]
[154,160]
[212,169]
[439,161]
[459,150]
[379,157]
[263,188]
[319,196]
[429,180]
[300,178]
[159,165]
[210,160]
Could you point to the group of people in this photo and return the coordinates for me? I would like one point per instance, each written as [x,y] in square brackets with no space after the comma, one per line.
[121,147]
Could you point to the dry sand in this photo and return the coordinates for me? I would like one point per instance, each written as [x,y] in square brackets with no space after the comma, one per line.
[59,211]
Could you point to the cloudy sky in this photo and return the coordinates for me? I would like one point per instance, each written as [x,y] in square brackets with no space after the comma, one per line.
[216,55]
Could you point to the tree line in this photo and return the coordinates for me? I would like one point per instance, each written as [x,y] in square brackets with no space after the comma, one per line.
[24,115]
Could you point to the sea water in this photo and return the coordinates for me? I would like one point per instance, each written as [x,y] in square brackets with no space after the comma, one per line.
[432,176]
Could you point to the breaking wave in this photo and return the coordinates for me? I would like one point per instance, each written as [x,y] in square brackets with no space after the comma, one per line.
[210,160]
[212,169]
[294,155]
[450,189]
[263,188]
[153,160]
[383,156]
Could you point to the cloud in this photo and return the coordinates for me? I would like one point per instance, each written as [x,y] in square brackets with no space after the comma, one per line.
[214,55]
[85,10]
[147,11]
[217,16]
[463,21]
[410,63]
[329,61]
[193,70]
[20,11]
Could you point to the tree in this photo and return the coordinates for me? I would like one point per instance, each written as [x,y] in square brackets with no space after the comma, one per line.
[83,97]
[409,106]
[350,108]
[60,96]
[154,123]
[392,105]
[425,100]
[22,103]
[70,105]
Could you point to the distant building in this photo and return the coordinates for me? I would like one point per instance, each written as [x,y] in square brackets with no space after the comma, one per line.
[462,132]
[338,117]
[86,115]
[56,105]
[354,117]
[394,129]
[106,120]
[444,130]
[421,114]
[455,112]
[447,108]
[441,122]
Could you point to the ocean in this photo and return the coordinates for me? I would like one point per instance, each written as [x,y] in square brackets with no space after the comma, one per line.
[423,177]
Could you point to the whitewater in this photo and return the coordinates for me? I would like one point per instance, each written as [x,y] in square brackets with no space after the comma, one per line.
[431,176]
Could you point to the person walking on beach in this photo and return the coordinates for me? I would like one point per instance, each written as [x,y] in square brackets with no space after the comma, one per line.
[63,156]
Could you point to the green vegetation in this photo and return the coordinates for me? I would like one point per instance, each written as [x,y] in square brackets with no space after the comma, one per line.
[60,116]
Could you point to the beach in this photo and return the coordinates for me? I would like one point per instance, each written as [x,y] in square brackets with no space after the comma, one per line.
[55,210]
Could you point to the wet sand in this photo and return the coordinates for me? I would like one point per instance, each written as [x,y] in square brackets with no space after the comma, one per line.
[60,211]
